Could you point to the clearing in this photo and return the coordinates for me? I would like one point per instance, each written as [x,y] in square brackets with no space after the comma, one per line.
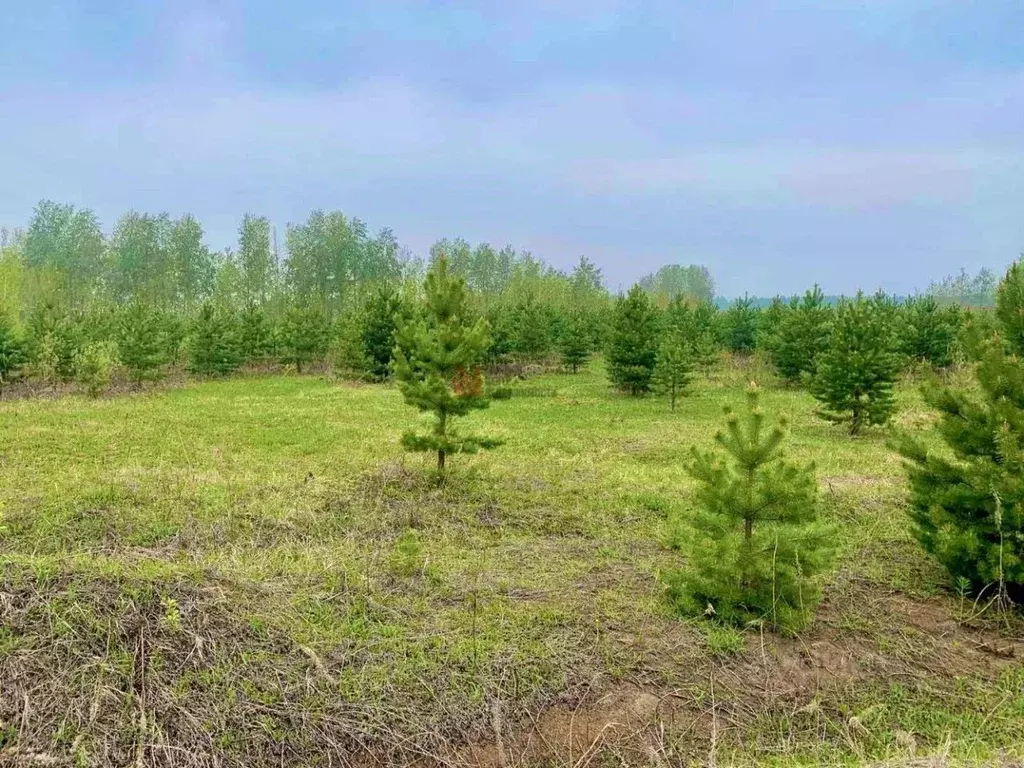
[251,572]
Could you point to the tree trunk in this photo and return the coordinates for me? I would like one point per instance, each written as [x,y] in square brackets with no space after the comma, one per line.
[748,528]
[298,366]
[440,461]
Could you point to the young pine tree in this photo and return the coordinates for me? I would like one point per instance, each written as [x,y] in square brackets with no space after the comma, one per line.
[674,366]
[803,334]
[383,314]
[53,340]
[576,343]
[304,335]
[928,332]
[94,366]
[13,354]
[533,337]
[855,374]
[768,325]
[1010,307]
[215,349]
[755,544]
[437,365]
[968,501]
[141,345]
[350,357]
[256,334]
[174,330]
[704,338]
[740,325]
[633,347]
[502,326]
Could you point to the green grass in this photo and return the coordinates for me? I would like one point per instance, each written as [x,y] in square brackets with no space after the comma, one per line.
[256,567]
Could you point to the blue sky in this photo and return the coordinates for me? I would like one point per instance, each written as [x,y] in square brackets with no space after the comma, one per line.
[856,144]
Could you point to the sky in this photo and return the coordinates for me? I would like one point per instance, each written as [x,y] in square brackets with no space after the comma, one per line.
[863,144]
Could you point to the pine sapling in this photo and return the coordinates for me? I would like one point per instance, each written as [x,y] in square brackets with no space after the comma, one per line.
[13,353]
[673,369]
[634,343]
[855,374]
[142,347]
[967,501]
[437,366]
[755,545]
[576,343]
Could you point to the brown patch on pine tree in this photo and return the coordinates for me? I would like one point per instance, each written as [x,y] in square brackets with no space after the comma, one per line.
[468,383]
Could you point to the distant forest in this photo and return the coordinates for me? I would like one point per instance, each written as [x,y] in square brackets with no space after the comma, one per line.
[150,296]
[978,290]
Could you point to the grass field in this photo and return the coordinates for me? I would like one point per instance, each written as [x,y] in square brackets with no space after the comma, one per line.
[252,572]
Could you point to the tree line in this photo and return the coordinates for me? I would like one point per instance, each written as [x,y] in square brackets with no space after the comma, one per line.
[151,296]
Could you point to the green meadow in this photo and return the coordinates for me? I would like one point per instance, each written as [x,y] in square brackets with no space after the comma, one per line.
[252,572]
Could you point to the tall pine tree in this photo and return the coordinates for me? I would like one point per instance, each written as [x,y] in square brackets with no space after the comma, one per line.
[855,375]
[634,342]
[968,501]
[437,365]
[755,543]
